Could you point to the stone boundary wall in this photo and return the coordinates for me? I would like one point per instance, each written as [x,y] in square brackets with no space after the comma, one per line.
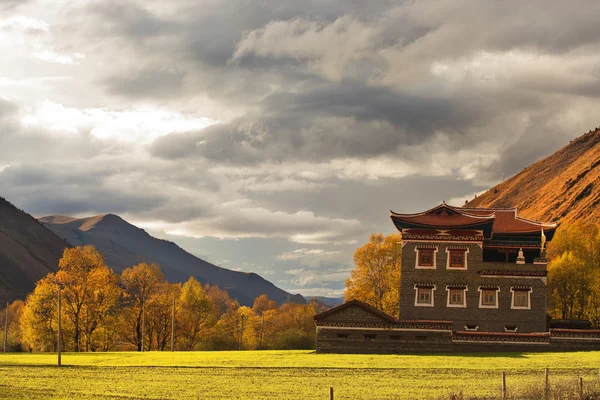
[431,337]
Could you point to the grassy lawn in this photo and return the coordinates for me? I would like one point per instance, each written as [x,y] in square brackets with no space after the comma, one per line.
[282,375]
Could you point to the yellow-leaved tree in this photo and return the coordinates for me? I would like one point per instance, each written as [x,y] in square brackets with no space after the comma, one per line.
[375,278]
[90,292]
[39,320]
[574,272]
[141,284]
[195,313]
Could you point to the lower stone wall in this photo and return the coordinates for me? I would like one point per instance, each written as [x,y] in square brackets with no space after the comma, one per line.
[384,341]
[388,341]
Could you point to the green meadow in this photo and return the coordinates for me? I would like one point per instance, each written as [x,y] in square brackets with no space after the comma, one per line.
[285,375]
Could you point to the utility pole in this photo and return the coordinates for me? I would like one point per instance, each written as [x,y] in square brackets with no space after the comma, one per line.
[173,326]
[59,330]
[262,324]
[6,329]
[143,321]
[242,332]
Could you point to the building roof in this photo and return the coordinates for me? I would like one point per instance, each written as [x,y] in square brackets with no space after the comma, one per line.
[356,303]
[444,216]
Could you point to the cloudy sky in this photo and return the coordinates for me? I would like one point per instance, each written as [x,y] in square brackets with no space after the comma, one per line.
[275,135]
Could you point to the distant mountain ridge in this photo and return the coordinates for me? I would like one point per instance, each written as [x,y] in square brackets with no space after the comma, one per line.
[563,188]
[28,252]
[329,301]
[123,245]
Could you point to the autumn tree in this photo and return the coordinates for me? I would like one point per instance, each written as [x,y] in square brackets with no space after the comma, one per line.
[194,313]
[89,291]
[263,304]
[159,314]
[375,278]
[15,312]
[140,283]
[39,320]
[574,272]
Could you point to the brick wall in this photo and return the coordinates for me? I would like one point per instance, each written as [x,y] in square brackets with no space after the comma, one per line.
[488,319]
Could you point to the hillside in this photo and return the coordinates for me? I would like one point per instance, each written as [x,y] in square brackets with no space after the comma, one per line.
[563,187]
[28,252]
[123,244]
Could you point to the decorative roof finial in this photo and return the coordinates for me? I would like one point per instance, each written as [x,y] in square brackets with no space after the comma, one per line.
[543,244]
[520,257]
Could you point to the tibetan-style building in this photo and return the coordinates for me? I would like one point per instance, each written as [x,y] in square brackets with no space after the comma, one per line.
[471,279]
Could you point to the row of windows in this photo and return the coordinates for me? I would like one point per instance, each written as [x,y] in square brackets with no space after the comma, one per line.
[488,297]
[426,258]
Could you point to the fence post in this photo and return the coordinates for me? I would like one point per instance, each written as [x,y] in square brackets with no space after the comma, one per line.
[581,388]
[503,385]
[546,385]
[331,393]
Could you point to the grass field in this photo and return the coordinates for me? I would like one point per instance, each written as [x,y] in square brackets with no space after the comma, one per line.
[282,375]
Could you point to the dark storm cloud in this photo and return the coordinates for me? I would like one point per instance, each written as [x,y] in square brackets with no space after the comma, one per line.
[347,120]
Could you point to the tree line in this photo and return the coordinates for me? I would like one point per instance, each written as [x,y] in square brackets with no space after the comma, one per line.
[140,310]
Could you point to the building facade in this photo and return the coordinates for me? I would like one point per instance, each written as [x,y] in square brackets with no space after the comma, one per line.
[471,280]
[483,269]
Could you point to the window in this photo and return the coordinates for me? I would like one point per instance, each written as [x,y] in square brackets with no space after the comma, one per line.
[370,338]
[471,327]
[488,297]
[395,337]
[426,258]
[510,328]
[457,259]
[456,296]
[424,295]
[341,335]
[421,337]
[521,298]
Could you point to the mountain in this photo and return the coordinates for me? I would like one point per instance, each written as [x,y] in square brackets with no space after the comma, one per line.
[28,252]
[329,301]
[123,245]
[563,187]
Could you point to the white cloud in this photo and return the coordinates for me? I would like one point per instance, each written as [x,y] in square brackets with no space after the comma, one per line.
[314,257]
[138,125]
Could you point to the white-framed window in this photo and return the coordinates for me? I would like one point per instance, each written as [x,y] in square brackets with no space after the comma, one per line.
[511,328]
[456,257]
[424,295]
[426,256]
[457,296]
[521,298]
[471,327]
[488,297]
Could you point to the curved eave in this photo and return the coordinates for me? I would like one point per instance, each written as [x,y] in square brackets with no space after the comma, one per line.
[485,226]
[443,205]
